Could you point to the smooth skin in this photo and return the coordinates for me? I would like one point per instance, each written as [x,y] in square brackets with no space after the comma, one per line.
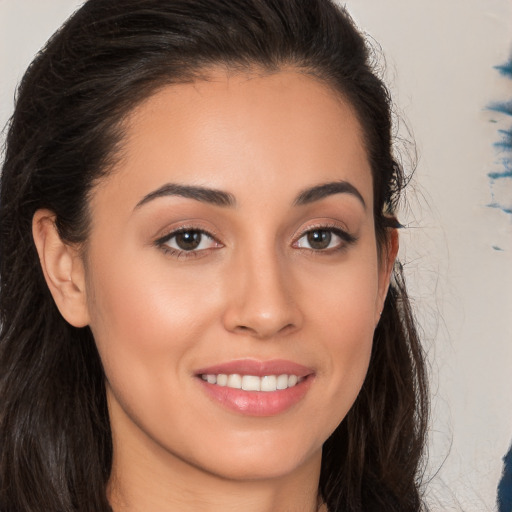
[257,285]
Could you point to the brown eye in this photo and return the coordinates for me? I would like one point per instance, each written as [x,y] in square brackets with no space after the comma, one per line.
[188,240]
[325,239]
[319,239]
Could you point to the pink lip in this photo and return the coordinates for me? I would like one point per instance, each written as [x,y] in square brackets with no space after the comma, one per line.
[257,403]
[257,368]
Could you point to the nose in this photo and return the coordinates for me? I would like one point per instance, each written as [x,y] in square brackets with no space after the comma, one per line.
[261,303]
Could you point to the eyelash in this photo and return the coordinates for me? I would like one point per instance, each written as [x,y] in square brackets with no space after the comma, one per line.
[346,240]
[163,242]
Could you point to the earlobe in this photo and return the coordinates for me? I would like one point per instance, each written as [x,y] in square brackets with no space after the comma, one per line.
[62,267]
[389,255]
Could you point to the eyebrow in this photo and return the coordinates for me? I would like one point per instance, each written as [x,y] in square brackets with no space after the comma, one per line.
[203,194]
[225,199]
[310,195]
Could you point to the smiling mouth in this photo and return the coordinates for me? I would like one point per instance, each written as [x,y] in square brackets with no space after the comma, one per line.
[256,388]
[266,383]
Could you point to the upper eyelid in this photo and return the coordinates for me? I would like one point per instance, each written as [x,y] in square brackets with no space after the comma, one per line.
[327,226]
[183,228]
[163,243]
[347,238]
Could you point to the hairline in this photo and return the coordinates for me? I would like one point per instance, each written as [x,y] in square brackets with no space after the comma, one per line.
[207,72]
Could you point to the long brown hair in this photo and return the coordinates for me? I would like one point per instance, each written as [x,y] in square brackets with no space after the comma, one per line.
[55,438]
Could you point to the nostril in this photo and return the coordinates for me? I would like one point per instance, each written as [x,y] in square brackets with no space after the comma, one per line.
[287,328]
[264,333]
[242,329]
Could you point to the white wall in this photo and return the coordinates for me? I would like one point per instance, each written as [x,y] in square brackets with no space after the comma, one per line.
[440,56]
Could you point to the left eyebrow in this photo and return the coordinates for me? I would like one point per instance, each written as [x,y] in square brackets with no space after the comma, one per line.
[198,193]
[310,195]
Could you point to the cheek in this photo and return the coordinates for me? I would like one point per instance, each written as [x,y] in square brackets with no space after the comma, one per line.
[342,299]
[343,310]
[149,320]
[141,319]
[146,323]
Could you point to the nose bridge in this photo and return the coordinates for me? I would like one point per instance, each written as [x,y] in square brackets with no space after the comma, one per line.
[261,293]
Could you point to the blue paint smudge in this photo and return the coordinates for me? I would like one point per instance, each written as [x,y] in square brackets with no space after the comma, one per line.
[505,69]
[496,248]
[502,107]
[502,208]
[505,485]
[498,175]
[503,146]
[506,140]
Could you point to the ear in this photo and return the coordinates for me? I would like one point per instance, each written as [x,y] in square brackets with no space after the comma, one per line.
[387,261]
[63,269]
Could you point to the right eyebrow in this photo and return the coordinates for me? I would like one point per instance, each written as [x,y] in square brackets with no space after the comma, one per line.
[324,190]
[199,193]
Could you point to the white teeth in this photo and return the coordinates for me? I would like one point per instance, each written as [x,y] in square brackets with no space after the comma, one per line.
[222,379]
[282,382]
[234,381]
[253,382]
[269,383]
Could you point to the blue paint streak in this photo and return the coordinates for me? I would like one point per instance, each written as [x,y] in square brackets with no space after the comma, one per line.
[505,69]
[500,175]
[506,140]
[504,145]
[502,208]
[503,107]
[496,248]
[505,485]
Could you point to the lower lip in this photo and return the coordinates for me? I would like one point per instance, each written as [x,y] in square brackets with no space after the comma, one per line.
[257,403]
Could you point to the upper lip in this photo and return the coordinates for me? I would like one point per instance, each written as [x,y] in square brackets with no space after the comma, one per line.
[257,368]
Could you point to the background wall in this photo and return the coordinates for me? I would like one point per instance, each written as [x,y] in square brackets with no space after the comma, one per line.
[457,249]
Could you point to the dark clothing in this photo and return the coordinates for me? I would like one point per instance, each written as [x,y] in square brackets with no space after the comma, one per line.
[505,485]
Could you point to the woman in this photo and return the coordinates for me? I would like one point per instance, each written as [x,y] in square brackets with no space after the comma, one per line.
[198,239]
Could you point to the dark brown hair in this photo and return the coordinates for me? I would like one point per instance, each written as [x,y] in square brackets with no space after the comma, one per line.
[55,438]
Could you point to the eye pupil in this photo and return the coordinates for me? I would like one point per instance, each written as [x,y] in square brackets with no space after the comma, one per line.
[188,240]
[319,238]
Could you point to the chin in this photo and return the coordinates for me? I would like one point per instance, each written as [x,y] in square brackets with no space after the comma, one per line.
[261,461]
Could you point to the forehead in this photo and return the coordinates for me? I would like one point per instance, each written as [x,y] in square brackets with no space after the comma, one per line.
[234,131]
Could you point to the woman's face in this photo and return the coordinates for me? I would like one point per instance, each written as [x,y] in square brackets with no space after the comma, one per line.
[234,242]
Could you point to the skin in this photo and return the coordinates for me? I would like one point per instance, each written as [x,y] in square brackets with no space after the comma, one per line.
[256,289]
